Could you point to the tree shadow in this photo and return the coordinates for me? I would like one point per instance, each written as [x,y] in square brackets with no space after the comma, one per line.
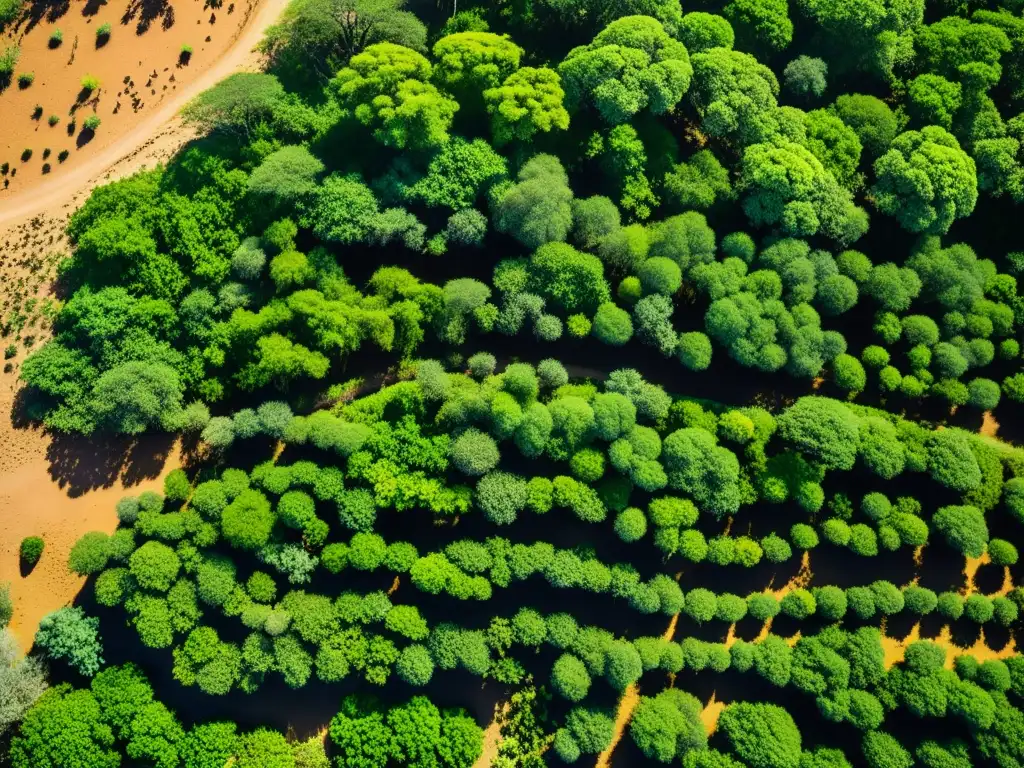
[147,11]
[84,137]
[79,464]
[41,10]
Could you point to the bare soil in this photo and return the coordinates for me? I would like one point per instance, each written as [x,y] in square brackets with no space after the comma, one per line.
[139,68]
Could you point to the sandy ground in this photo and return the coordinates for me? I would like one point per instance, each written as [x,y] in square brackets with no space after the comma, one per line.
[492,740]
[139,70]
[127,141]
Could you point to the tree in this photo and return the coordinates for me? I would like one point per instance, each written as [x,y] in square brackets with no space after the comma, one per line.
[155,566]
[569,677]
[761,735]
[631,65]
[461,741]
[264,748]
[247,521]
[964,529]
[706,471]
[458,174]
[735,95]
[316,38]
[387,89]
[933,100]
[237,104]
[570,279]
[474,453]
[209,745]
[760,24]
[926,181]
[951,461]
[69,634]
[824,429]
[65,727]
[805,77]
[870,118]
[501,496]
[135,396]
[344,210]
[881,750]
[536,210]
[90,554]
[788,185]
[698,183]
[22,681]
[359,734]
[590,728]
[154,735]
[668,725]
[528,102]
[838,148]
[700,31]
[468,63]
[286,176]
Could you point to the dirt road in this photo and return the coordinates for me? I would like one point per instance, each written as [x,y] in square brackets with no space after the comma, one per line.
[154,139]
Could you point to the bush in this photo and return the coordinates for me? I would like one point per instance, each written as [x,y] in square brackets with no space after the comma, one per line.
[694,351]
[569,678]
[31,550]
[761,735]
[612,325]
[631,524]
[155,566]
[69,634]
[90,554]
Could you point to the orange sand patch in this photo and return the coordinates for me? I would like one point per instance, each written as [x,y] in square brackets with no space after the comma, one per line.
[492,740]
[630,698]
[709,715]
[989,425]
[895,648]
[800,581]
[137,70]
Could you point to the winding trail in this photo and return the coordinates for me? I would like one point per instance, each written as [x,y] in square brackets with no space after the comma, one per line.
[155,138]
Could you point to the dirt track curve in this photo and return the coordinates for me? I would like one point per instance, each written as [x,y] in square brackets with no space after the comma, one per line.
[155,138]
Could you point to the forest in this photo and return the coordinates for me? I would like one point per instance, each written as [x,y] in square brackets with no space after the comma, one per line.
[600,382]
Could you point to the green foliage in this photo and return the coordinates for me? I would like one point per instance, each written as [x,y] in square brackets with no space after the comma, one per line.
[631,65]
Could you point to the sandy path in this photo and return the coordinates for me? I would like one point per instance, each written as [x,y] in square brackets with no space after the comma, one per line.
[156,137]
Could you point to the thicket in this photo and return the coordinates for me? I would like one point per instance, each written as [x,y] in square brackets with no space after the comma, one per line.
[816,191]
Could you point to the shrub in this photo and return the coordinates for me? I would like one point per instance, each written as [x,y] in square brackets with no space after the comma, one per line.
[569,678]
[155,566]
[964,529]
[31,550]
[631,524]
[612,325]
[69,634]
[90,554]
[761,735]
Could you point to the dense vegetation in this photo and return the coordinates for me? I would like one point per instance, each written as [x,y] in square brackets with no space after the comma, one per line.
[813,198]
